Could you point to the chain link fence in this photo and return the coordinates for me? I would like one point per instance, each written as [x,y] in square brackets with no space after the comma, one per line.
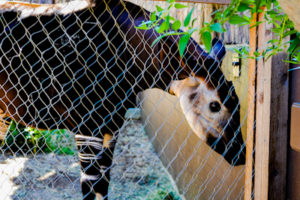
[78,123]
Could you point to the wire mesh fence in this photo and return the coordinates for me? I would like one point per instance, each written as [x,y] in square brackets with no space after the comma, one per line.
[71,74]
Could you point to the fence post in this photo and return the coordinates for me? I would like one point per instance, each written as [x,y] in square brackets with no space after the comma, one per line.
[263,116]
[279,128]
[271,122]
[251,112]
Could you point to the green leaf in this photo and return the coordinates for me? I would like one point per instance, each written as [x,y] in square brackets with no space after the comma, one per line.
[157,39]
[287,33]
[294,44]
[273,41]
[176,25]
[256,53]
[191,31]
[250,2]
[243,7]
[183,43]
[193,22]
[144,25]
[297,56]
[292,62]
[217,27]
[276,30]
[206,39]
[236,19]
[179,6]
[168,22]
[159,9]
[163,27]
[171,18]
[188,18]
[153,16]
[218,15]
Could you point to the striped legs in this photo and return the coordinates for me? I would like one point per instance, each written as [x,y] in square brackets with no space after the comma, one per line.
[95,156]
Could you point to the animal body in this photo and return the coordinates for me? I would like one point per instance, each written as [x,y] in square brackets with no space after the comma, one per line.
[80,68]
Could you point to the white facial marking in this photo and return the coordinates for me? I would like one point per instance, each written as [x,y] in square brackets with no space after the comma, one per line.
[201,106]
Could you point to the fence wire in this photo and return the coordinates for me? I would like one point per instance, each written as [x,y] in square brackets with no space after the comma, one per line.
[78,123]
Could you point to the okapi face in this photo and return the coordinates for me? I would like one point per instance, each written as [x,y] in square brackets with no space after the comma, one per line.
[213,120]
[201,106]
[211,108]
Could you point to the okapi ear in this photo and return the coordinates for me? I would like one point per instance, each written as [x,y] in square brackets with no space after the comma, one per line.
[218,50]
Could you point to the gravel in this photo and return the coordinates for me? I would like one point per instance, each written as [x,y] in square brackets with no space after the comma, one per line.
[137,172]
[40,176]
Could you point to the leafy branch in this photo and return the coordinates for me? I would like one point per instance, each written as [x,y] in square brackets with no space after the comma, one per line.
[239,12]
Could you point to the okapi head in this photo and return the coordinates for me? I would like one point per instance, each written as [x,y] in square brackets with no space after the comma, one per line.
[211,107]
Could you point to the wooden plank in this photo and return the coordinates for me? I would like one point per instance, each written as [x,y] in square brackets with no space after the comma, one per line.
[222,2]
[278,128]
[251,112]
[271,123]
[25,4]
[263,115]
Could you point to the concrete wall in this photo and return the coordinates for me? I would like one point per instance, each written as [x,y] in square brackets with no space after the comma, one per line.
[199,172]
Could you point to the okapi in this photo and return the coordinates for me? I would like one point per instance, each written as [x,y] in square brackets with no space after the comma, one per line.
[80,68]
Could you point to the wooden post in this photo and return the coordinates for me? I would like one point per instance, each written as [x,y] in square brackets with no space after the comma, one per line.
[263,115]
[279,128]
[271,122]
[251,112]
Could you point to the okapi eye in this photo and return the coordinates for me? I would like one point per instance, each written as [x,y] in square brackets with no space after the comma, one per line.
[214,106]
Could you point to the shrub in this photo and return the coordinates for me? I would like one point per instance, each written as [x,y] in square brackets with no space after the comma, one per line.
[24,140]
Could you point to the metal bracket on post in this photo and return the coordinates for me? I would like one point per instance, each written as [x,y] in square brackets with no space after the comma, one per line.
[236,65]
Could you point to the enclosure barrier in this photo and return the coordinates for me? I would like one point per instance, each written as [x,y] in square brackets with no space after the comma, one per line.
[65,71]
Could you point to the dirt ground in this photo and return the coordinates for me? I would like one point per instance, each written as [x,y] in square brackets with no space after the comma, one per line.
[137,173]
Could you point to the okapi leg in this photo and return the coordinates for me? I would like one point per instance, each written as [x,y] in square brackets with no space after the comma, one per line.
[106,161]
[95,156]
